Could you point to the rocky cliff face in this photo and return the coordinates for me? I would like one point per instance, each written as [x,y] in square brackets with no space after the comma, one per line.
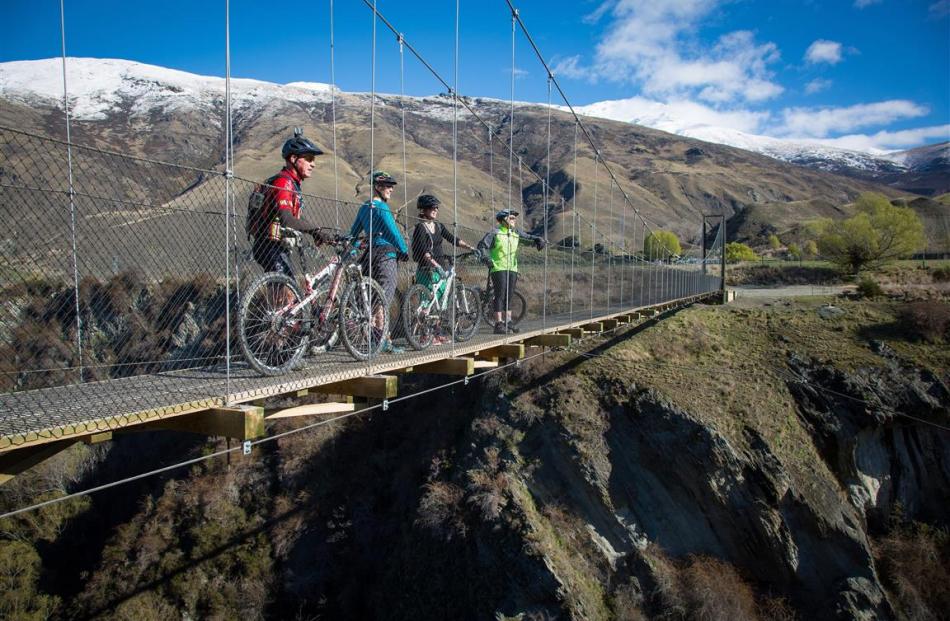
[666,473]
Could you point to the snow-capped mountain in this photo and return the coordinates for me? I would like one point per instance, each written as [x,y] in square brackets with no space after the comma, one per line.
[98,86]
[873,164]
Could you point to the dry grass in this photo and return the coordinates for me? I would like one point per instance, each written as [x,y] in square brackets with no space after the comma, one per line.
[914,564]
[928,320]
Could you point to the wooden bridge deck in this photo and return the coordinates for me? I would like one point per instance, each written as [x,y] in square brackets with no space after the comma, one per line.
[31,418]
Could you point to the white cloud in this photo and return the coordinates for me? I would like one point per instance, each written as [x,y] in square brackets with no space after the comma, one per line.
[675,116]
[821,122]
[888,141]
[822,51]
[599,12]
[571,67]
[647,42]
[865,3]
[939,9]
[817,85]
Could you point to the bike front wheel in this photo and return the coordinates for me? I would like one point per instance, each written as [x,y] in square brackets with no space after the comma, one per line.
[364,320]
[418,320]
[274,329]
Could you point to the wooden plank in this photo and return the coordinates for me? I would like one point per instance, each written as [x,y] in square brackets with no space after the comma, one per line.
[312,410]
[17,461]
[448,366]
[303,392]
[549,340]
[596,326]
[241,422]
[515,350]
[96,438]
[610,324]
[485,364]
[368,386]
[573,332]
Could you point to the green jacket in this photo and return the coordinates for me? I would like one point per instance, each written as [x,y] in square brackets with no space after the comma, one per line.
[502,248]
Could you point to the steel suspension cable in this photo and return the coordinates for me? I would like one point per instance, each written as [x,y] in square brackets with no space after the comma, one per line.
[547,184]
[491,173]
[511,114]
[72,201]
[461,99]
[402,109]
[610,243]
[228,206]
[593,237]
[574,232]
[455,186]
[371,314]
[516,15]
[336,176]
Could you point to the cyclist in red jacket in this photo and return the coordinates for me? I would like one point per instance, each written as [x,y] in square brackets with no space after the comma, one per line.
[283,205]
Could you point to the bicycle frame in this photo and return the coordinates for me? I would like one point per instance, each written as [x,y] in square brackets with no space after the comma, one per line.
[332,272]
[441,302]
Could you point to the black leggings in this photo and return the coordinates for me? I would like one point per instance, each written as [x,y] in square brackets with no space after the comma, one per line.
[503,283]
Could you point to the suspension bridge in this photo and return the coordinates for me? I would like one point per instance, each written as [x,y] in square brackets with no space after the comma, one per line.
[120,314]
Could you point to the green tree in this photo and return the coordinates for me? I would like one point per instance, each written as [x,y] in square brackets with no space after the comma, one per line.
[736,251]
[661,245]
[811,249]
[774,242]
[794,251]
[878,233]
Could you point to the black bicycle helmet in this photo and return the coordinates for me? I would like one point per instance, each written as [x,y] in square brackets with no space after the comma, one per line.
[427,201]
[504,213]
[298,145]
[381,177]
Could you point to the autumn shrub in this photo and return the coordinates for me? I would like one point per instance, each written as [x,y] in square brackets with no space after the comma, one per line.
[440,510]
[714,590]
[928,320]
[914,565]
[941,274]
[868,288]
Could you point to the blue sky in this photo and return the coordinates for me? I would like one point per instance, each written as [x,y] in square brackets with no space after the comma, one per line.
[859,73]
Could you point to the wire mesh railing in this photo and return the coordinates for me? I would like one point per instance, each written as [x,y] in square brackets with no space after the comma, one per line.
[151,282]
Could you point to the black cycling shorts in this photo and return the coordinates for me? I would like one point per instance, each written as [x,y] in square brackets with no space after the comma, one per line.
[503,283]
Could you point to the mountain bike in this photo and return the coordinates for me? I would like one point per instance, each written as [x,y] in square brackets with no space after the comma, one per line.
[279,319]
[486,301]
[427,311]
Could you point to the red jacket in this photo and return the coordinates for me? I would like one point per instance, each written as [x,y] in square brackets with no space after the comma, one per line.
[285,194]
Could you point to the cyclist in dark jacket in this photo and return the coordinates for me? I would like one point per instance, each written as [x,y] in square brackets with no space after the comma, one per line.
[501,247]
[283,205]
[427,249]
[427,239]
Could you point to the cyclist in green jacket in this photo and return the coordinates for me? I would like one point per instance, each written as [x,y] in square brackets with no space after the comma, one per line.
[501,248]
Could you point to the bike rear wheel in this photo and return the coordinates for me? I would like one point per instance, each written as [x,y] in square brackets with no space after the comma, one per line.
[419,322]
[273,337]
[518,306]
[361,302]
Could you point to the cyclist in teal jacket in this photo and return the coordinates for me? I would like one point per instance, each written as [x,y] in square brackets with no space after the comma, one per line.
[375,217]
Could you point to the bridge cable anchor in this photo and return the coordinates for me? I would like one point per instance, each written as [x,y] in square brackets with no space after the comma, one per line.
[246,447]
[385,405]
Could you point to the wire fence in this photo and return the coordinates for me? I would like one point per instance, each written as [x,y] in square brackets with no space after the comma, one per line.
[115,287]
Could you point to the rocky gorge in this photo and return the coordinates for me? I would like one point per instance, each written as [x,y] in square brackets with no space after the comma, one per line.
[753,461]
